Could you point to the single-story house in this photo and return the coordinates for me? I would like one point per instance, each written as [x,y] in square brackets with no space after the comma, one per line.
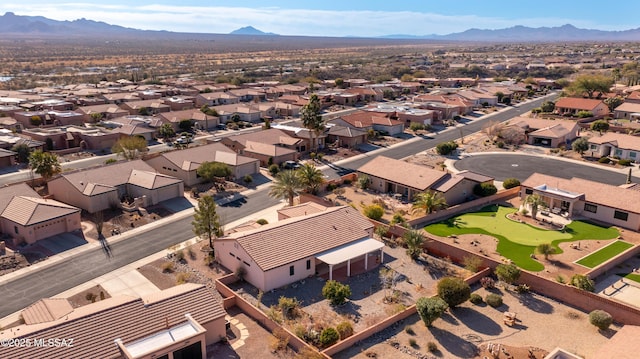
[579,197]
[365,120]
[96,113]
[246,112]
[389,175]
[100,188]
[297,130]
[550,133]
[147,107]
[343,136]
[198,118]
[178,322]
[183,164]
[628,110]
[616,145]
[28,218]
[281,253]
[216,99]
[573,105]
[268,146]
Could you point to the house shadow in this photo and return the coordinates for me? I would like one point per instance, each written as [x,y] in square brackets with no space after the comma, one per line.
[476,321]
[455,345]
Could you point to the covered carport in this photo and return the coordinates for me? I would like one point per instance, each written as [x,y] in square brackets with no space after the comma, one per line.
[352,251]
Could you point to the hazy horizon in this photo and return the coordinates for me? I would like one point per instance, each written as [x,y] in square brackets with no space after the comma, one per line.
[333,18]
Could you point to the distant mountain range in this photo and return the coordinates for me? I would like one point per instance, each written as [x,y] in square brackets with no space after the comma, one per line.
[532,34]
[11,23]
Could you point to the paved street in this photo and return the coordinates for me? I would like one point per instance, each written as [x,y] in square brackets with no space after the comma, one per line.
[521,166]
[93,263]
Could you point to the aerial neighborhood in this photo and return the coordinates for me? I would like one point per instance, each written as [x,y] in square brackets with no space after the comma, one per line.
[466,203]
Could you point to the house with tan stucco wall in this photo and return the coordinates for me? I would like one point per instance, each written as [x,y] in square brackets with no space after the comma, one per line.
[108,186]
[309,241]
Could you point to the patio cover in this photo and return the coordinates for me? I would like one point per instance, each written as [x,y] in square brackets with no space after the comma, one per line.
[348,251]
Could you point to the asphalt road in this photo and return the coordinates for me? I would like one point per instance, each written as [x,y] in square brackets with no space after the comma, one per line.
[520,166]
[94,263]
[424,143]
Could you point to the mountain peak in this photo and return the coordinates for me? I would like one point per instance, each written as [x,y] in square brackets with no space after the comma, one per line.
[249,30]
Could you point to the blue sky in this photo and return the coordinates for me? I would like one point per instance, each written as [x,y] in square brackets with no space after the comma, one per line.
[336,18]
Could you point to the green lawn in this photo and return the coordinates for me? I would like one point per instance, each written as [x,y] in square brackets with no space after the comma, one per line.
[517,241]
[631,276]
[604,254]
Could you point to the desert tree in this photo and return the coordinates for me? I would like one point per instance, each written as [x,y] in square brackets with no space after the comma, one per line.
[45,164]
[580,145]
[311,178]
[534,201]
[130,147]
[206,221]
[311,119]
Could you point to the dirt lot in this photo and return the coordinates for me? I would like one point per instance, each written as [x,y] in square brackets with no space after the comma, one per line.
[462,332]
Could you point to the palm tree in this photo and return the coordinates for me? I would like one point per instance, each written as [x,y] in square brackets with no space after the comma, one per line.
[310,177]
[286,185]
[545,249]
[414,240]
[311,118]
[535,201]
[428,201]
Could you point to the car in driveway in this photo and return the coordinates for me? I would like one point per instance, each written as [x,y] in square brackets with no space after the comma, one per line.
[183,140]
[290,165]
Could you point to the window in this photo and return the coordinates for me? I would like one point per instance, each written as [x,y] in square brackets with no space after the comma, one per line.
[528,191]
[593,147]
[308,264]
[620,215]
[618,152]
[15,228]
[588,207]
[231,254]
[632,154]
[291,270]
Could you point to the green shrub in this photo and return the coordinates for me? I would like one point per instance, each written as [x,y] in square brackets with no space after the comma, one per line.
[247,179]
[600,319]
[624,162]
[475,298]
[454,291]
[585,114]
[262,221]
[500,144]
[345,329]
[446,148]
[413,342]
[507,273]
[493,299]
[328,337]
[347,182]
[510,183]
[432,347]
[274,169]
[331,187]
[604,159]
[484,189]
[179,254]
[373,211]
[583,282]
[336,292]
[472,263]
[182,278]
[430,309]
[110,161]
[416,126]
[487,283]
[409,330]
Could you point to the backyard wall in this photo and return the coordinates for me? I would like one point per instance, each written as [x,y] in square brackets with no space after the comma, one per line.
[255,313]
[583,300]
